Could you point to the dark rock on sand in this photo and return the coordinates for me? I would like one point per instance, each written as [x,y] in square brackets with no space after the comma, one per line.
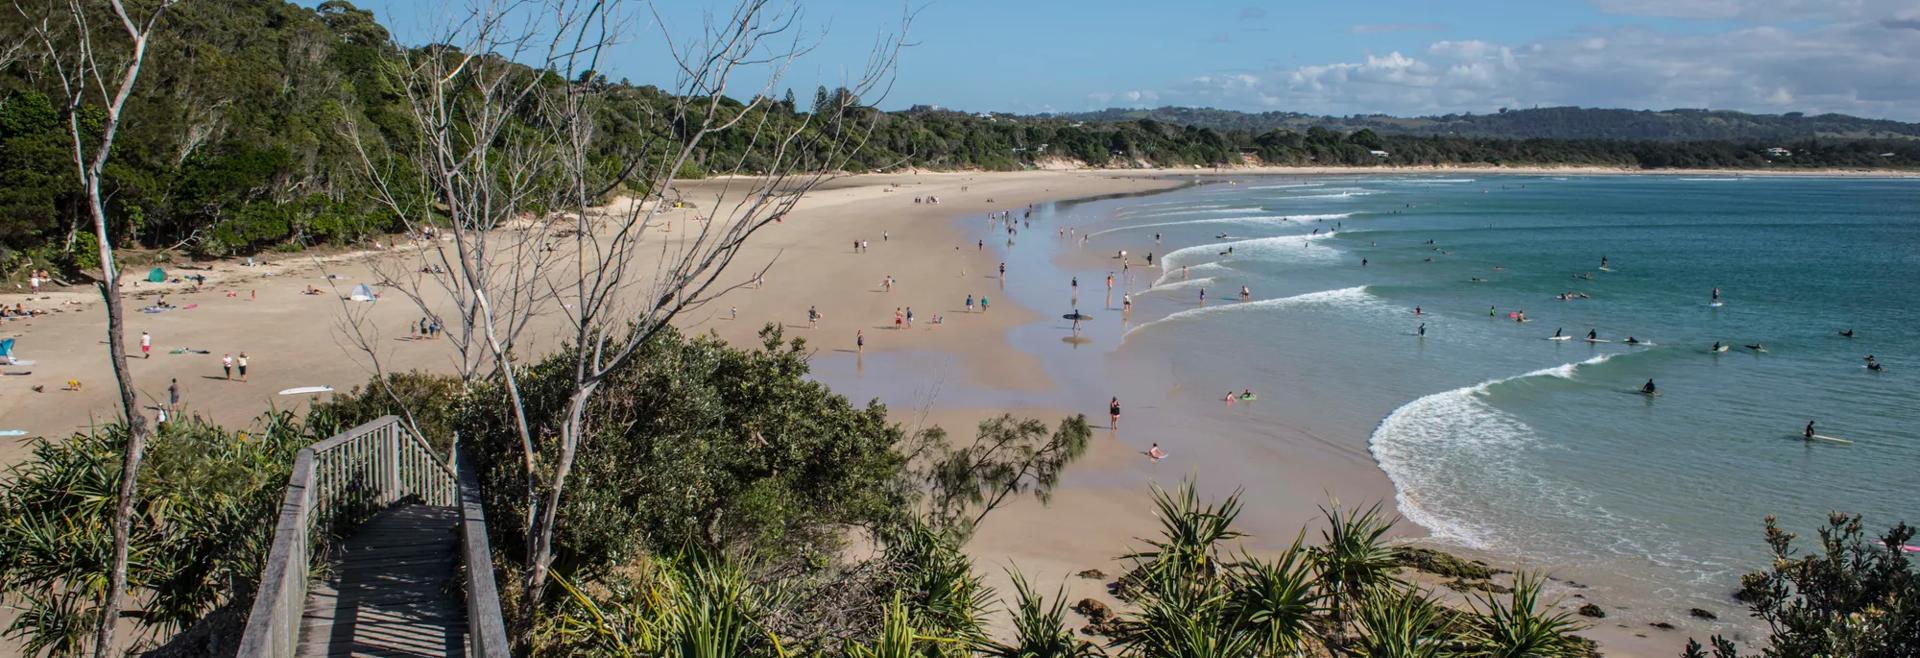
[1591,610]
[1662,625]
[1092,574]
[1702,614]
[1444,564]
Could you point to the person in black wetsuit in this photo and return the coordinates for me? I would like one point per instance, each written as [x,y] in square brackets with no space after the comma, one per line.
[1647,388]
[1808,434]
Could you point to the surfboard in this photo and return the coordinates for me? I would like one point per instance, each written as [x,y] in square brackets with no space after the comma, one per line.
[1598,340]
[1606,269]
[1559,338]
[1834,439]
[1249,397]
[13,432]
[307,389]
[1717,304]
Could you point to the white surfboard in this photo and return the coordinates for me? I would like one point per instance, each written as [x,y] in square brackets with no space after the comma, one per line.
[1835,439]
[1717,304]
[303,390]
[1559,338]
[13,432]
[1598,340]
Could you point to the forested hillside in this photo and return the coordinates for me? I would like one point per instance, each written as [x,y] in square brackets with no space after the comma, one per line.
[1541,123]
[249,124]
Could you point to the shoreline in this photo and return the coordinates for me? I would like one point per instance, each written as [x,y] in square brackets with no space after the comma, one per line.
[970,367]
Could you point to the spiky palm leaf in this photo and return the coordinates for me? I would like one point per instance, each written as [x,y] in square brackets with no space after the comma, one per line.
[1277,601]
[1519,627]
[1040,630]
[1401,624]
[1353,558]
[1191,535]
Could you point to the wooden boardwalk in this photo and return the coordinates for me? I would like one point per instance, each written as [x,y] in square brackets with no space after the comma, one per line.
[394,590]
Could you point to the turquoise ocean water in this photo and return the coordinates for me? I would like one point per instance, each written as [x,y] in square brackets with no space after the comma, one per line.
[1499,439]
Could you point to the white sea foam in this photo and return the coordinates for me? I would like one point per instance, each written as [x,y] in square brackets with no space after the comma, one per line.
[1436,181]
[1181,209]
[1414,443]
[1354,296]
[1286,186]
[1243,219]
[1284,246]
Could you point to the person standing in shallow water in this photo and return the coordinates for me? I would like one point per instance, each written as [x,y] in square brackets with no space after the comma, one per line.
[1113,413]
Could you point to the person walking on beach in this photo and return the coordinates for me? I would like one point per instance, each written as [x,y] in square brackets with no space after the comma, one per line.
[1076,286]
[899,320]
[243,366]
[1109,281]
[980,245]
[1113,413]
[146,345]
[33,282]
[226,364]
[860,338]
[813,316]
[173,393]
[1003,269]
[983,303]
[909,317]
[969,303]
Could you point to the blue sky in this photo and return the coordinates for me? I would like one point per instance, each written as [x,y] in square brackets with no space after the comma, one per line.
[1393,56]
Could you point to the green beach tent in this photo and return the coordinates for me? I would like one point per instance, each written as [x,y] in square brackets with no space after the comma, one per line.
[157,276]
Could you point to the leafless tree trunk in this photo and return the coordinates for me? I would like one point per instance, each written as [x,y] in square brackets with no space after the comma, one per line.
[512,166]
[83,72]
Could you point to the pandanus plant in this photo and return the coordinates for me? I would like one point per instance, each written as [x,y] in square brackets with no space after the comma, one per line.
[1353,558]
[1039,628]
[1519,627]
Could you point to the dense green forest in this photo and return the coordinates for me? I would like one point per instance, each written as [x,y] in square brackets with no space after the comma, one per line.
[242,137]
[1540,123]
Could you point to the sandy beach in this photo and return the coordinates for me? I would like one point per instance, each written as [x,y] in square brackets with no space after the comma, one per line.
[928,373]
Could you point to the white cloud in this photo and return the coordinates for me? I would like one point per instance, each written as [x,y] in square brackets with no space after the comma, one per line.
[1868,67]
[1755,10]
[1134,97]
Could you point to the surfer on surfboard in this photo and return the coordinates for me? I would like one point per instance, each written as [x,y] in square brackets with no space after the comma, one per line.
[1593,335]
[1808,434]
[1716,295]
[1647,388]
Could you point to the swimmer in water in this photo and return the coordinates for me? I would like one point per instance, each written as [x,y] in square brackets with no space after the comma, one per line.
[1847,334]
[1633,341]
[1423,330]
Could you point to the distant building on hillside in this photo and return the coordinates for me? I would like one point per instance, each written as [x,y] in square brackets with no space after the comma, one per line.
[1378,153]
[1777,152]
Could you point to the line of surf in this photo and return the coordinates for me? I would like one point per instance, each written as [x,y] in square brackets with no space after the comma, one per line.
[1244,219]
[1450,420]
[1352,295]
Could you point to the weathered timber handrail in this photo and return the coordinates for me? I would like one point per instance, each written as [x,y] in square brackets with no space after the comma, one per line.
[486,629]
[336,483]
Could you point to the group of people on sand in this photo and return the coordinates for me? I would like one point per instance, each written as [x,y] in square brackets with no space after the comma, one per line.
[20,310]
[38,278]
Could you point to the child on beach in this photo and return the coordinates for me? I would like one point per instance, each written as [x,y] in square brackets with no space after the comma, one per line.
[813,317]
[969,303]
[226,364]
[983,303]
[1155,453]
[243,366]
[146,345]
[860,341]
